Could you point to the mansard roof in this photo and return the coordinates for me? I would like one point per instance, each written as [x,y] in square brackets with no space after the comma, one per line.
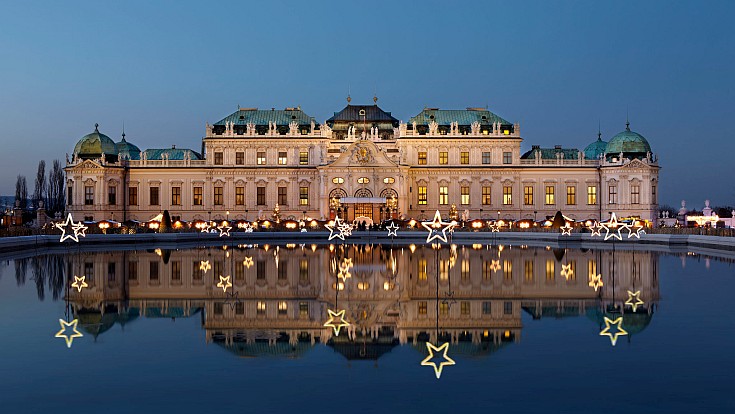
[461,116]
[550,153]
[244,116]
[173,154]
[373,113]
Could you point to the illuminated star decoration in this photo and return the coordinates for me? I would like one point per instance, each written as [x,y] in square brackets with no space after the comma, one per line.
[224,282]
[204,266]
[205,228]
[613,227]
[247,262]
[566,271]
[339,317]
[247,228]
[68,331]
[566,230]
[340,227]
[595,282]
[634,300]
[344,270]
[443,349]
[618,326]
[596,228]
[79,283]
[392,229]
[494,228]
[437,228]
[69,225]
[636,230]
[224,229]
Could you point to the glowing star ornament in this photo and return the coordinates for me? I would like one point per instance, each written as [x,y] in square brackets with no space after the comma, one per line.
[338,229]
[567,271]
[224,283]
[596,228]
[224,229]
[428,361]
[494,228]
[204,266]
[392,229]
[634,300]
[595,282]
[613,227]
[79,283]
[205,228]
[68,331]
[495,265]
[248,262]
[437,228]
[566,230]
[68,226]
[339,317]
[636,230]
[247,228]
[619,331]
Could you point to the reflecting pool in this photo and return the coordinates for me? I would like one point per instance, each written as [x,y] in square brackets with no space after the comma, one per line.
[365,328]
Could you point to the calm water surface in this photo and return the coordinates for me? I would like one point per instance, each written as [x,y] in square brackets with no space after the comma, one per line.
[523,325]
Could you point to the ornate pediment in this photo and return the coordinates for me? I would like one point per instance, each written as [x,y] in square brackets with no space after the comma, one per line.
[88,165]
[363,153]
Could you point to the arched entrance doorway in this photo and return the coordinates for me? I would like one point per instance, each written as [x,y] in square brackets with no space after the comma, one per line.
[335,206]
[363,209]
[390,210]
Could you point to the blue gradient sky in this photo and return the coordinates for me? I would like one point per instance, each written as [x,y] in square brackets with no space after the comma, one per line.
[167,67]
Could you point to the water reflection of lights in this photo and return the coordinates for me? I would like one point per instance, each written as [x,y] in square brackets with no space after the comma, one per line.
[595,282]
[567,271]
[619,331]
[204,266]
[634,300]
[68,331]
[428,361]
[339,317]
[79,283]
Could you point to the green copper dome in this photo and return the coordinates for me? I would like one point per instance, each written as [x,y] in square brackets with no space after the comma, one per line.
[94,145]
[127,150]
[631,144]
[595,149]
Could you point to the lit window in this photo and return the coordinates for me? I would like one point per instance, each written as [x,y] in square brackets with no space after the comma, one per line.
[422,158]
[88,195]
[591,194]
[261,308]
[197,196]
[422,275]
[613,194]
[304,158]
[175,196]
[304,196]
[240,196]
[422,195]
[282,307]
[486,197]
[282,159]
[465,195]
[528,195]
[528,271]
[507,195]
[443,195]
[550,270]
[363,180]
[389,180]
[338,180]
[443,157]
[261,158]
[464,157]
[549,194]
[571,195]
[508,270]
[422,307]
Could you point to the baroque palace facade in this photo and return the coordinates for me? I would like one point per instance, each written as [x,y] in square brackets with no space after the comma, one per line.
[362,162]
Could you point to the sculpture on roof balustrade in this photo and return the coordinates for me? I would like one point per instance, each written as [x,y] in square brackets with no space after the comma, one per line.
[433,128]
[475,127]
[293,128]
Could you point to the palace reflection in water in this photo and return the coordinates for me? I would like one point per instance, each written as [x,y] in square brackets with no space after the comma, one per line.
[471,296]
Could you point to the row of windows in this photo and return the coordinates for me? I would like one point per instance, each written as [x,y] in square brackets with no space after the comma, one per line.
[508,195]
[260,158]
[464,308]
[491,266]
[464,157]
[197,196]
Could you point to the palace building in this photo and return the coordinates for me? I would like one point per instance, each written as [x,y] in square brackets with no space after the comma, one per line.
[362,163]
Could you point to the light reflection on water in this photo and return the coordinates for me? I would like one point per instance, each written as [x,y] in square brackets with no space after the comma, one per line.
[509,313]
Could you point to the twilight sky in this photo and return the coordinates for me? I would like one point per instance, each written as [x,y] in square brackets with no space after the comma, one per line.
[165,68]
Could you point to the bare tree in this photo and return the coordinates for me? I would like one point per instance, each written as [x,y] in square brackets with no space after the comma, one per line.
[40,190]
[21,191]
[55,197]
